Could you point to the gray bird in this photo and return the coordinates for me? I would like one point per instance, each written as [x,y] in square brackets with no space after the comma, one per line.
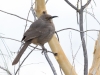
[40,32]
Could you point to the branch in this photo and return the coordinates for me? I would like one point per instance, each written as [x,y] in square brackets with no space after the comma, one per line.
[76,30]
[92,16]
[15,15]
[34,14]
[18,41]
[28,15]
[83,41]
[9,38]
[83,7]
[50,63]
[5,70]
[72,5]
[27,20]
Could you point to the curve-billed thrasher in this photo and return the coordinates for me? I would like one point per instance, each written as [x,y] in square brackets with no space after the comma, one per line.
[40,32]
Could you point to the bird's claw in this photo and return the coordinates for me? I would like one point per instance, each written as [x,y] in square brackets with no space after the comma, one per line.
[43,51]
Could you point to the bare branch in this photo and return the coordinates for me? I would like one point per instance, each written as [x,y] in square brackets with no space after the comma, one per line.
[10,38]
[72,5]
[94,2]
[76,30]
[92,16]
[83,40]
[15,15]
[5,70]
[46,1]
[50,63]
[33,11]
[83,7]
[27,20]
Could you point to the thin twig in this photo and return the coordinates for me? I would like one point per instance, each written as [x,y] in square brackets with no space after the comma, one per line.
[4,60]
[46,1]
[6,70]
[76,11]
[73,64]
[57,36]
[76,30]
[33,11]
[15,15]
[10,38]
[27,20]
[7,49]
[92,16]
[94,2]
[32,64]
[34,14]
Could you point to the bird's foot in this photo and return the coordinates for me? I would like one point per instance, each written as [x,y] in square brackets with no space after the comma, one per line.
[44,50]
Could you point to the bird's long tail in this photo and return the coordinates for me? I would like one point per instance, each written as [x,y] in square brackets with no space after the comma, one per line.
[21,52]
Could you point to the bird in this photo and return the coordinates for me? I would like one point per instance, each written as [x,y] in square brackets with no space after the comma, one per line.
[39,33]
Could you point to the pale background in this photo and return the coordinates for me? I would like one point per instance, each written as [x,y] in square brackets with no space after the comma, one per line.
[13,27]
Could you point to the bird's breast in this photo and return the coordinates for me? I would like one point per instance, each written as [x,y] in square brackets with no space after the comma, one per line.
[35,41]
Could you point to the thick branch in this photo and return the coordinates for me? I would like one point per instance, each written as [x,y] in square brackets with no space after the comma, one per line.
[83,43]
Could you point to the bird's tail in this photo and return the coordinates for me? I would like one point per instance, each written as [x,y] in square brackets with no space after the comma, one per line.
[21,52]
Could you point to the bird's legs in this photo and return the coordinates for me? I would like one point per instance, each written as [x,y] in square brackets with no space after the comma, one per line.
[43,49]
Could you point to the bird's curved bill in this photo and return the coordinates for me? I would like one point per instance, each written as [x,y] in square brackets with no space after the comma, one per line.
[53,17]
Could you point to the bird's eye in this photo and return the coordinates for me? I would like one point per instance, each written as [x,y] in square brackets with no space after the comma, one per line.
[47,18]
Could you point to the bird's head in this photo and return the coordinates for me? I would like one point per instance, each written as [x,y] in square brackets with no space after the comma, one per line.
[47,17]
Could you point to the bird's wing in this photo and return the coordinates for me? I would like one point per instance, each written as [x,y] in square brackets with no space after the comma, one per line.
[34,30]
